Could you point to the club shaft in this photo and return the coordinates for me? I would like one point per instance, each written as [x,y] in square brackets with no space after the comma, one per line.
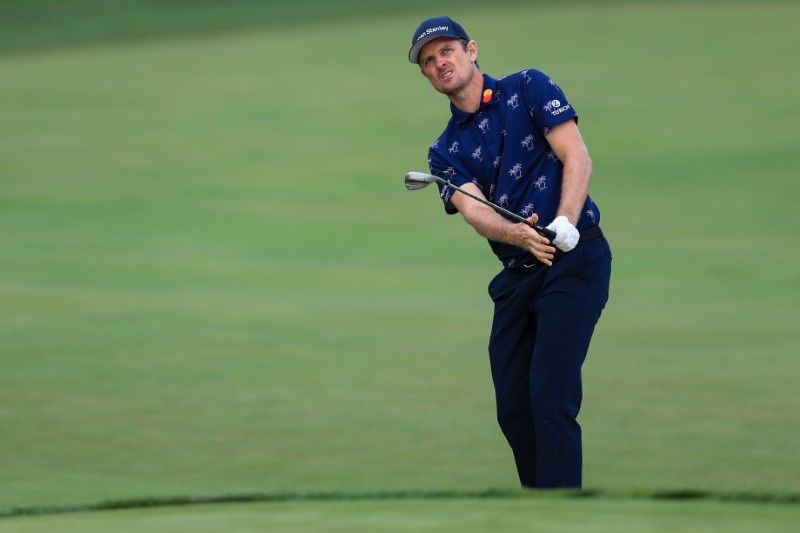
[545,232]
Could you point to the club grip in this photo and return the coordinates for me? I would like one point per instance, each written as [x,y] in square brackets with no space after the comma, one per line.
[545,232]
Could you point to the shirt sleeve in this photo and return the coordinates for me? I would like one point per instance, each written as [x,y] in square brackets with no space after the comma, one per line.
[451,170]
[548,105]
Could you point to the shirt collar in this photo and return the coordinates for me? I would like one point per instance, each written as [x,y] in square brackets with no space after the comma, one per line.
[488,98]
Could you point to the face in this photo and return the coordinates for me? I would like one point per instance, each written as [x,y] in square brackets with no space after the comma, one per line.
[447,65]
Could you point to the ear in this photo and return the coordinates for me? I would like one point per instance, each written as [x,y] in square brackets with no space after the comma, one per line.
[472,51]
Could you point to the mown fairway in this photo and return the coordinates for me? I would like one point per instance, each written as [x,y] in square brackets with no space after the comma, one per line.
[212,280]
[529,514]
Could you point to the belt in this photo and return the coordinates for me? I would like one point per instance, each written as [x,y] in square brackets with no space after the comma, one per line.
[587,234]
[590,233]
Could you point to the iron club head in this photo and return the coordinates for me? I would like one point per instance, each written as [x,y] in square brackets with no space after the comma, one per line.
[420,180]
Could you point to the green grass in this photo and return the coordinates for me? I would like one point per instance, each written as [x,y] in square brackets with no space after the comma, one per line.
[539,514]
[46,24]
[213,282]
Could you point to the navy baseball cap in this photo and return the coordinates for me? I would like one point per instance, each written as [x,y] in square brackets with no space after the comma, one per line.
[431,29]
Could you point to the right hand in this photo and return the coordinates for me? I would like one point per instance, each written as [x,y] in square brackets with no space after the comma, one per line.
[530,240]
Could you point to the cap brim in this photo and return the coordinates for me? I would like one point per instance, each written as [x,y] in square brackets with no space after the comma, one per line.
[413,54]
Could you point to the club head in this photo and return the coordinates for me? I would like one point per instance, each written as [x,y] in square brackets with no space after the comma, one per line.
[419,180]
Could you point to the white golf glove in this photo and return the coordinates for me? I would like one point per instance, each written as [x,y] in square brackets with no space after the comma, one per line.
[567,235]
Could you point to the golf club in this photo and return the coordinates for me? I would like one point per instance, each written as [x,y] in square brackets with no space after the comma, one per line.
[420,180]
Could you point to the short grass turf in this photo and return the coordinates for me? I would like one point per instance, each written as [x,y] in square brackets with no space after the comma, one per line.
[539,514]
[212,280]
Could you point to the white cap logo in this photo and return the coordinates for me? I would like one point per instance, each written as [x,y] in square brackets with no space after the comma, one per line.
[428,31]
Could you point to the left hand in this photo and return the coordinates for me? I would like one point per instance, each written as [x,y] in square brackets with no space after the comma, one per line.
[529,239]
[567,235]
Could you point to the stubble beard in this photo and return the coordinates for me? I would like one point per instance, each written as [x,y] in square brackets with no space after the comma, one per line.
[459,88]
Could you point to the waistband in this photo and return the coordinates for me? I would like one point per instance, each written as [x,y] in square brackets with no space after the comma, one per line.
[530,261]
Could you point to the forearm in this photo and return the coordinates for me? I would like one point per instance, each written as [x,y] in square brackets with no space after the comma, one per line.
[483,218]
[575,185]
[491,225]
[496,228]
[568,145]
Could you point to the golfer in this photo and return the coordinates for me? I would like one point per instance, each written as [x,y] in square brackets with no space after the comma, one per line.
[515,141]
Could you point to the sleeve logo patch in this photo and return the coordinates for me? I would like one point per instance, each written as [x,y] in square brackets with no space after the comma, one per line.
[554,107]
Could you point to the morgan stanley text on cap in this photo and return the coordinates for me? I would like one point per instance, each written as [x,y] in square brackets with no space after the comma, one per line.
[431,29]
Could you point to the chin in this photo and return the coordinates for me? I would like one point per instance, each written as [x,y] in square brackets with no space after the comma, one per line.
[448,87]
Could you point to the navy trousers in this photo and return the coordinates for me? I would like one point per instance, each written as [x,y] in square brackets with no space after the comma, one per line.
[544,318]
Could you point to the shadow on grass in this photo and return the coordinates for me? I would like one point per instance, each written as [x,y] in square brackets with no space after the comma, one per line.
[257,497]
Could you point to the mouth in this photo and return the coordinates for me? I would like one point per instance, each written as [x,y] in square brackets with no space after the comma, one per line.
[446,75]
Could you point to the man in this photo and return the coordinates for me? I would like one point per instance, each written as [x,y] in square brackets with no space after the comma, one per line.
[516,142]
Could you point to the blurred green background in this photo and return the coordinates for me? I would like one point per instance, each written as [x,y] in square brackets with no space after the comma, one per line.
[212,280]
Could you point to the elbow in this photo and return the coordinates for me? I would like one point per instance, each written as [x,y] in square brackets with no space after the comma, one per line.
[471,214]
[580,159]
[585,158]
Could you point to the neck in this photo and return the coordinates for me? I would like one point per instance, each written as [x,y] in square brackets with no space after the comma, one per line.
[468,98]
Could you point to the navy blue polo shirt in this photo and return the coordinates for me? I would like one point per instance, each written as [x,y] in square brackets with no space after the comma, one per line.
[502,149]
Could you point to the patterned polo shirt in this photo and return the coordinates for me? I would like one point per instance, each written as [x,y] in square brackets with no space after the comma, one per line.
[502,149]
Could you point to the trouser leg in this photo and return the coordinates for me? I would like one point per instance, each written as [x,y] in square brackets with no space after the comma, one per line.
[567,309]
[510,348]
[543,322]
